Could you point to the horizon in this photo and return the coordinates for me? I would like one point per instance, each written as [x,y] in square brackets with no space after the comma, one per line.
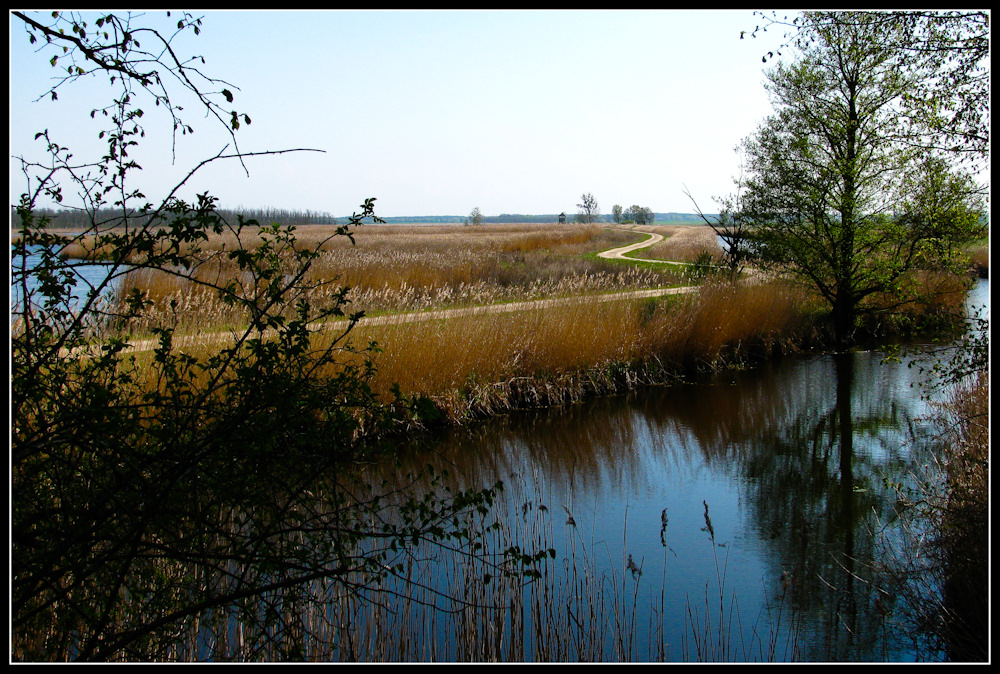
[664,217]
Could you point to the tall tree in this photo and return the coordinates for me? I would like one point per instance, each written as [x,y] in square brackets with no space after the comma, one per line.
[589,208]
[821,193]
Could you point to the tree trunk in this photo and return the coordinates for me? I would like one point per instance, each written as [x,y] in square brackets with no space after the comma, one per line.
[843,320]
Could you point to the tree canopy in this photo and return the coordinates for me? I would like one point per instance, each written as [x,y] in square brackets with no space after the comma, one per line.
[948,106]
[846,183]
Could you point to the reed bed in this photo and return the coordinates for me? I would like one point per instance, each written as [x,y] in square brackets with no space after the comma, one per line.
[979,259]
[407,269]
[684,244]
[557,352]
[481,365]
[474,366]
[938,304]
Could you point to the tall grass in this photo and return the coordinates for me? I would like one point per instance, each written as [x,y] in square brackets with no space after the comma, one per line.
[484,364]
[979,258]
[478,365]
[684,244]
[941,569]
[405,269]
[490,362]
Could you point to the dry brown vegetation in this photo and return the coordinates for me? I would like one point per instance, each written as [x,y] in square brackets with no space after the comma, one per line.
[683,243]
[490,362]
[400,269]
[980,259]
[937,303]
[482,364]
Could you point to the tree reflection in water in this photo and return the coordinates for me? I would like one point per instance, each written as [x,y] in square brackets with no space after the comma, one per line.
[794,459]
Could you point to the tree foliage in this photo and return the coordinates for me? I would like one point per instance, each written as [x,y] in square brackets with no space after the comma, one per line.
[589,208]
[947,106]
[842,190]
[640,215]
[160,493]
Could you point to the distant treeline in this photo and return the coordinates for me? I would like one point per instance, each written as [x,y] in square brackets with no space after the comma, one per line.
[553,218]
[79,220]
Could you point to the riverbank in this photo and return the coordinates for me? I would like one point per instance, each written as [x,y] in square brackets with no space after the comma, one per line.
[470,322]
[467,369]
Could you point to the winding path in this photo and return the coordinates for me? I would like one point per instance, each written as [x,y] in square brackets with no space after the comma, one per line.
[622,253]
[438,314]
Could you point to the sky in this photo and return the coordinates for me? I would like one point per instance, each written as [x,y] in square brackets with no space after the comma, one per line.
[440,112]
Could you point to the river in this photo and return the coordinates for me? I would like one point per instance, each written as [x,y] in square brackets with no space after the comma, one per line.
[761,498]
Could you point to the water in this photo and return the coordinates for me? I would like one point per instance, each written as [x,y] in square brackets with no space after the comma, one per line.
[88,276]
[794,465]
[761,454]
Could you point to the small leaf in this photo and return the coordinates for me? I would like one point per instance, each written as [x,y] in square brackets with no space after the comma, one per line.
[228,94]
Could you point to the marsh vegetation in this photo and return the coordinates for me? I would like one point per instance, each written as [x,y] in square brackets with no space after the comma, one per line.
[219,424]
[582,337]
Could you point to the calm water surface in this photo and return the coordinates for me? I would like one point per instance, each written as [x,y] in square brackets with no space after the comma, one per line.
[791,462]
[88,276]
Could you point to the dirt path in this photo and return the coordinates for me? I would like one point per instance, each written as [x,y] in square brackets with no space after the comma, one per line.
[622,253]
[439,314]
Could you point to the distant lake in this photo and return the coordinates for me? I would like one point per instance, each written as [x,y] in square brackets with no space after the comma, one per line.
[88,275]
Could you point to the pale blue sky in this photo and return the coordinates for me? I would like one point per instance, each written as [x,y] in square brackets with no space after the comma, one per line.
[438,112]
